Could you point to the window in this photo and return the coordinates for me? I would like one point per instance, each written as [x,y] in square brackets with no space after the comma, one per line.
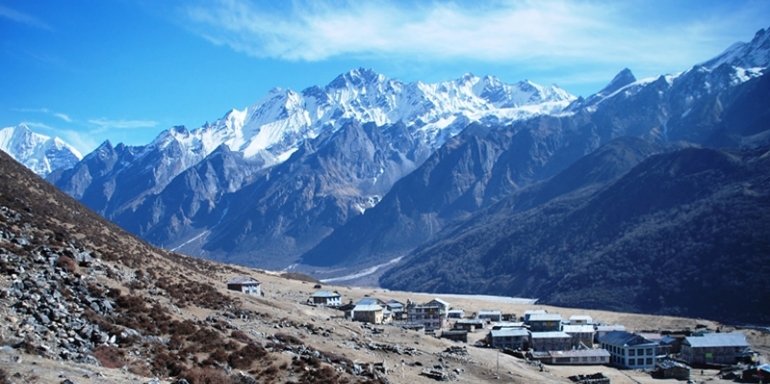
[640,351]
[631,352]
[649,361]
[649,351]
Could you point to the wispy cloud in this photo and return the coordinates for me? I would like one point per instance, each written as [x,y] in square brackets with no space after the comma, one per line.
[23,18]
[46,111]
[103,124]
[41,126]
[551,33]
[63,117]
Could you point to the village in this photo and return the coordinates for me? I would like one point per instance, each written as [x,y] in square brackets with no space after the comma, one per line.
[548,339]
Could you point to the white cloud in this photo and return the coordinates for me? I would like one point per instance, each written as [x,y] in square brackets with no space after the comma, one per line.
[38,125]
[63,117]
[512,31]
[107,124]
[47,111]
[549,33]
[23,18]
[84,142]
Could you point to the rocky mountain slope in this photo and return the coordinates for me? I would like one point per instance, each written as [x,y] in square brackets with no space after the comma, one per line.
[40,153]
[700,106]
[411,121]
[680,232]
[76,288]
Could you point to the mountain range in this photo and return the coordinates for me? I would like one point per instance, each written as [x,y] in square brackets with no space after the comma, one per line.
[473,185]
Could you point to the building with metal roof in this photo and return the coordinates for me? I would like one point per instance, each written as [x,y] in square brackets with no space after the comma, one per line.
[369,313]
[715,348]
[512,338]
[490,315]
[545,322]
[580,320]
[329,298]
[581,334]
[550,341]
[629,350]
[245,284]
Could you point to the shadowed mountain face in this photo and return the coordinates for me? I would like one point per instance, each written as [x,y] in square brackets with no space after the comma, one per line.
[682,232]
[483,165]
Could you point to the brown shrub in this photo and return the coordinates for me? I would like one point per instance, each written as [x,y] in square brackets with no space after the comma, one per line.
[139,368]
[206,375]
[241,336]
[286,338]
[184,328]
[110,357]
[164,364]
[244,357]
[325,374]
[219,355]
[67,263]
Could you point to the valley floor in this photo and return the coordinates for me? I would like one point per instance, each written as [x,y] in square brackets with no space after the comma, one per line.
[283,310]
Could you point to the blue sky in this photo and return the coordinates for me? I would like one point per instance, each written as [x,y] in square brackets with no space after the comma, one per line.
[124,70]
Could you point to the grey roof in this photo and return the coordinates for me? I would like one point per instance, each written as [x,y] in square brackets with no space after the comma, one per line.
[442,302]
[470,321]
[490,312]
[581,317]
[395,304]
[581,353]
[668,363]
[550,335]
[578,329]
[623,339]
[507,324]
[732,339]
[667,340]
[507,332]
[243,280]
[544,317]
[370,301]
[610,328]
[326,294]
[367,308]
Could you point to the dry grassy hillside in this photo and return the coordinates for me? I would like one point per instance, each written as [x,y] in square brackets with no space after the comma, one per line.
[82,300]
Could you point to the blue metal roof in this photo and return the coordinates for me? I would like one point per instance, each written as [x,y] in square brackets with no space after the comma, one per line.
[243,280]
[732,339]
[624,339]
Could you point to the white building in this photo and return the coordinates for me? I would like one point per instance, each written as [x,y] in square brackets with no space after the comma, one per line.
[494,315]
[628,350]
[580,320]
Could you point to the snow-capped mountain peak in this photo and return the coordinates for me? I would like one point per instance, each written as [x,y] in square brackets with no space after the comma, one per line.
[42,154]
[754,54]
[273,128]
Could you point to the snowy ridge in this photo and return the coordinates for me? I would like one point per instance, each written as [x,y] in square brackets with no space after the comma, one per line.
[273,128]
[40,153]
[754,54]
